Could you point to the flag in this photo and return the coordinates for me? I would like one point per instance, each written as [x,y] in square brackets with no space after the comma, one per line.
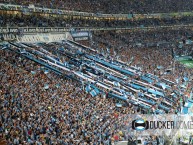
[163,85]
[33,72]
[131,60]
[57,85]
[116,84]
[115,53]
[118,105]
[159,67]
[108,50]
[180,45]
[88,88]
[188,41]
[177,80]
[185,79]
[46,86]
[93,93]
[46,71]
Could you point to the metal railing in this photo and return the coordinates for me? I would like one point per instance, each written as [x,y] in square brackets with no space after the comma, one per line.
[26,30]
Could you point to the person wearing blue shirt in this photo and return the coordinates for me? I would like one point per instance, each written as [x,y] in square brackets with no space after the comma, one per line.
[190,139]
[145,142]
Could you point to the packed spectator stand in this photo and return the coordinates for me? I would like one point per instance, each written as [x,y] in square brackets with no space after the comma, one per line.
[71,92]
[112,6]
[108,81]
[9,20]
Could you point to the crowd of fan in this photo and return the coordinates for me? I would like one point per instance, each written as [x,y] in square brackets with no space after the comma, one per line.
[45,108]
[148,38]
[60,113]
[112,6]
[150,50]
[41,21]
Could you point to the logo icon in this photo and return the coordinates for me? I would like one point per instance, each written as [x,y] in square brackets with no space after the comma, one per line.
[140,124]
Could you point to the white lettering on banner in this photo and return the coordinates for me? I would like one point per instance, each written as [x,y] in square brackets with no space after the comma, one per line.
[80,38]
[61,30]
[80,34]
[44,37]
[9,36]
[25,30]
[13,30]
[4,30]
[31,30]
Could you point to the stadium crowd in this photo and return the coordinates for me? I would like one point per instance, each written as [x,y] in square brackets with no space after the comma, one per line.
[41,21]
[39,108]
[155,38]
[42,108]
[153,51]
[111,6]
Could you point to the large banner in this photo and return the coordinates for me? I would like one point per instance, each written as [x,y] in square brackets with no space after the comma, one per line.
[33,30]
[81,35]
[44,37]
